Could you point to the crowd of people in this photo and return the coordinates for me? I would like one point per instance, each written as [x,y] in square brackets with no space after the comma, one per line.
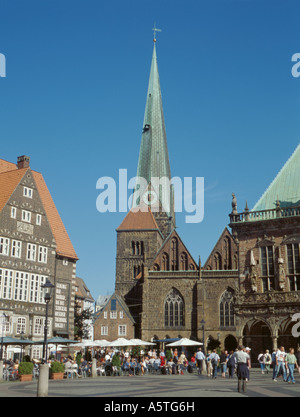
[212,364]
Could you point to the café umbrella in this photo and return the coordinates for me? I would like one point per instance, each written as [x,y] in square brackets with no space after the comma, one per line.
[184,342]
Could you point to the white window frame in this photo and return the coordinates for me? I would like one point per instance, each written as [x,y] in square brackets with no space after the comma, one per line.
[65,261]
[26,216]
[31,252]
[21,325]
[105,314]
[27,192]
[7,285]
[122,330]
[13,212]
[43,254]
[16,248]
[4,246]
[21,286]
[121,315]
[104,330]
[113,315]
[38,219]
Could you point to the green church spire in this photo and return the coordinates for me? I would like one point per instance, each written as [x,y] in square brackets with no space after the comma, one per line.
[154,156]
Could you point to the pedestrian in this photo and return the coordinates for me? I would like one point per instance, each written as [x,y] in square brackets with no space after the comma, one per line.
[298,356]
[231,364]
[268,361]
[274,363]
[214,359]
[281,363]
[200,358]
[261,361]
[243,366]
[223,363]
[291,363]
[248,351]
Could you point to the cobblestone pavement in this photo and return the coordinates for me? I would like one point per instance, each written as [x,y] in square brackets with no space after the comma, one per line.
[163,386]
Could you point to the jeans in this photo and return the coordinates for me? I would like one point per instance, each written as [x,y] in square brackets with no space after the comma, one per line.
[281,365]
[274,370]
[262,367]
[291,373]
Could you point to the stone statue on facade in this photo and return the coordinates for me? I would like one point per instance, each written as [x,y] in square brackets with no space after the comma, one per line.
[281,275]
[253,273]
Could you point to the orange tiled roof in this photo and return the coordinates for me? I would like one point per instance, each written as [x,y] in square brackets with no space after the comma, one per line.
[64,246]
[138,220]
[6,166]
[10,177]
[8,183]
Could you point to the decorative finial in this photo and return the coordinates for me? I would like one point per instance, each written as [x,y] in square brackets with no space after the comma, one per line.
[154,32]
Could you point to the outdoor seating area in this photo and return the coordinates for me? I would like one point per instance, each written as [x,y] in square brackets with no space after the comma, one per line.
[119,358]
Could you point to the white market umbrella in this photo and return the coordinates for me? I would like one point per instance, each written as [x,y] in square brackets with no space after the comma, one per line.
[121,342]
[86,343]
[139,342]
[102,343]
[185,342]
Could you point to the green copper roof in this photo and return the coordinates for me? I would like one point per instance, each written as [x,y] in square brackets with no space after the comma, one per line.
[154,157]
[285,187]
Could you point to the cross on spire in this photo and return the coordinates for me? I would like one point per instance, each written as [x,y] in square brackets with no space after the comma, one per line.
[154,32]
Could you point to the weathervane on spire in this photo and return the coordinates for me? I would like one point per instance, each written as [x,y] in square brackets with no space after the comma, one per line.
[154,32]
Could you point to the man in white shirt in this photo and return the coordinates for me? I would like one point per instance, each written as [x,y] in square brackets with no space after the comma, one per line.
[200,358]
[214,359]
[281,363]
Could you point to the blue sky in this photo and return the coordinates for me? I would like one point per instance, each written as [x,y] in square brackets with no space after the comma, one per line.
[75,93]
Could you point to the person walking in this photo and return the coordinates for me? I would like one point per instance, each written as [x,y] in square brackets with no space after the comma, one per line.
[243,366]
[223,363]
[274,363]
[231,364]
[200,358]
[214,359]
[291,361]
[281,363]
[261,361]
[268,361]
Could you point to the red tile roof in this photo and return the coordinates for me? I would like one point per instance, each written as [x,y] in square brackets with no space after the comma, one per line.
[10,179]
[138,220]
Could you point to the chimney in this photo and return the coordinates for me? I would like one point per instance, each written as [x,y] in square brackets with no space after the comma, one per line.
[23,162]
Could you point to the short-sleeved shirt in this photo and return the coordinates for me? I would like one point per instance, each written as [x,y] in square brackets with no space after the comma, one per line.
[281,356]
[241,357]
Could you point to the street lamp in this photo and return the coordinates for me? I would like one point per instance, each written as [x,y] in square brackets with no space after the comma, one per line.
[48,289]
[3,320]
[203,330]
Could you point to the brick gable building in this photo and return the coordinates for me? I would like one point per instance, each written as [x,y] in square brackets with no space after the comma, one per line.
[34,246]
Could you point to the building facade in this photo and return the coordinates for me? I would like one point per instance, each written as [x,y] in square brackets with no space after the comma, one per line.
[34,246]
[170,295]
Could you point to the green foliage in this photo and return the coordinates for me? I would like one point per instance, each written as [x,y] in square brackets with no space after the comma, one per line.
[57,367]
[25,368]
[136,351]
[78,358]
[80,327]
[168,355]
[26,358]
[116,360]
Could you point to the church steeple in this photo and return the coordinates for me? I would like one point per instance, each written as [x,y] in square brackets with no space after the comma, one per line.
[154,157]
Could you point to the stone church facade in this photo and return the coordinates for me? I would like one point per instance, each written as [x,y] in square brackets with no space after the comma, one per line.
[248,289]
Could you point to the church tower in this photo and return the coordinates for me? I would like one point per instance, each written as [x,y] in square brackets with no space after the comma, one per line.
[152,218]
[153,164]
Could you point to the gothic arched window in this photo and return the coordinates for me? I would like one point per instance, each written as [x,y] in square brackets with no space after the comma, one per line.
[183,262]
[174,255]
[217,262]
[227,253]
[227,309]
[165,262]
[174,309]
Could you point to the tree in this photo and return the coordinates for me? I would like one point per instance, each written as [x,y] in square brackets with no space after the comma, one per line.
[81,327]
